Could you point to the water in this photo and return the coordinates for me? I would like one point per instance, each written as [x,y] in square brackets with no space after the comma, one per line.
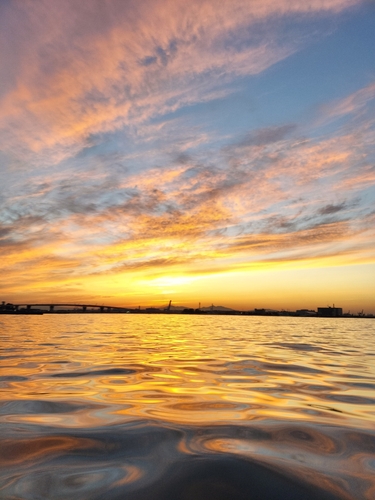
[186,407]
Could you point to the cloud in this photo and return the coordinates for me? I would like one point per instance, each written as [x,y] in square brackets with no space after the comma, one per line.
[103,175]
[332,209]
[268,135]
[352,104]
[263,192]
[75,70]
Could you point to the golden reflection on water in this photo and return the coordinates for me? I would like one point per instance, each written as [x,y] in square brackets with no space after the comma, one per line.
[190,369]
[113,400]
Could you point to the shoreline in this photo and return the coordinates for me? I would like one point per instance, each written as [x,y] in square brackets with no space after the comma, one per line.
[39,312]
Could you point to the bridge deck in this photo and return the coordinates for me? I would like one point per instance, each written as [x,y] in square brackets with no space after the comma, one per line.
[52,304]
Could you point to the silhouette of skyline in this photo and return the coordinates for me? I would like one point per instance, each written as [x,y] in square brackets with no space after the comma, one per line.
[71,308]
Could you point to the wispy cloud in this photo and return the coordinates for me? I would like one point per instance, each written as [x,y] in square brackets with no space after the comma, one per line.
[104,172]
[74,70]
[354,103]
[270,192]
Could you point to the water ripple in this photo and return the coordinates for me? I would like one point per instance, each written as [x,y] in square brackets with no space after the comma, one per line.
[94,373]
[186,408]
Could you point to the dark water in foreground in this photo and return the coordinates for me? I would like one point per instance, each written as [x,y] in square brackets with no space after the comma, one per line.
[184,407]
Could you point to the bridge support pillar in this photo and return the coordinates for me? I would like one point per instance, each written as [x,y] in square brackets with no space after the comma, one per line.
[51,307]
[84,308]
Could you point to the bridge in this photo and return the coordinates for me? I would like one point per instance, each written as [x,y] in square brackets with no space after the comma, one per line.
[84,307]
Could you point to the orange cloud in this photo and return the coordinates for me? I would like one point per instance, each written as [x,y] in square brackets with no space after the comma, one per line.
[199,212]
[174,195]
[77,70]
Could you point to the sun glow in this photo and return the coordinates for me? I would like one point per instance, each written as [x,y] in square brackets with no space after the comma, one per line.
[169,284]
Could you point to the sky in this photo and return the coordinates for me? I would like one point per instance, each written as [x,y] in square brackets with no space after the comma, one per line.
[210,151]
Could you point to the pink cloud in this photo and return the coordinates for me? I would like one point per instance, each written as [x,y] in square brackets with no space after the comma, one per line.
[78,69]
[353,103]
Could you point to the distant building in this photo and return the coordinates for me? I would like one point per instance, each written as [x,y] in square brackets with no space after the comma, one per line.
[305,312]
[6,307]
[329,312]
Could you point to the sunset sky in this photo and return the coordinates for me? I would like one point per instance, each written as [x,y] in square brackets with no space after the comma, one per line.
[203,151]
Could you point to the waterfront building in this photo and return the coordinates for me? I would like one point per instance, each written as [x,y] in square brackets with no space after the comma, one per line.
[329,312]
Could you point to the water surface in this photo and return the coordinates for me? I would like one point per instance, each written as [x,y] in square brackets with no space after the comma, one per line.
[186,407]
